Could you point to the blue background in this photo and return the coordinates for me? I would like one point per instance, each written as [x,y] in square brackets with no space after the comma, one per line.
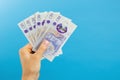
[91,53]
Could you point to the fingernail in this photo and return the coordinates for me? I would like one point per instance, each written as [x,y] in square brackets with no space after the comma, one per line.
[46,43]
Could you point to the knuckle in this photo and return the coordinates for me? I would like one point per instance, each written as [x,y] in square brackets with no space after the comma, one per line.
[20,51]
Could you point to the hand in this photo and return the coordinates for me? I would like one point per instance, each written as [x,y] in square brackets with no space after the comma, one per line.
[31,62]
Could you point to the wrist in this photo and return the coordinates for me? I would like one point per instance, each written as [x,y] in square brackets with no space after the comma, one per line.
[30,76]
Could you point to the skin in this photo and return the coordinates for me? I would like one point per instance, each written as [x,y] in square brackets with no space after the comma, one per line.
[30,62]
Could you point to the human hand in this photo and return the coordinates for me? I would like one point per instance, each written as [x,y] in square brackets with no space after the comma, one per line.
[31,62]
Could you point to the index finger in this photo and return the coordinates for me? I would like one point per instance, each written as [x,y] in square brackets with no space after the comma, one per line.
[28,48]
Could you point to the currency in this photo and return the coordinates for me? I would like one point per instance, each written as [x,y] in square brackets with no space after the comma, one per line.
[50,26]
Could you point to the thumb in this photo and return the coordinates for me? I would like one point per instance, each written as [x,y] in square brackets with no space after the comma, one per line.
[42,48]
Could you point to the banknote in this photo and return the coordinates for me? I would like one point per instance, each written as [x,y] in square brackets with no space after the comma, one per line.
[57,35]
[26,32]
[59,52]
[47,26]
[40,19]
[33,26]
[44,28]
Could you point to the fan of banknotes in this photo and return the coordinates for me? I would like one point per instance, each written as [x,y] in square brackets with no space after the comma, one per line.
[51,27]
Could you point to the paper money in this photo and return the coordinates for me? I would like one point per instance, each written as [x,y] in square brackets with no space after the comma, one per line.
[26,32]
[50,26]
